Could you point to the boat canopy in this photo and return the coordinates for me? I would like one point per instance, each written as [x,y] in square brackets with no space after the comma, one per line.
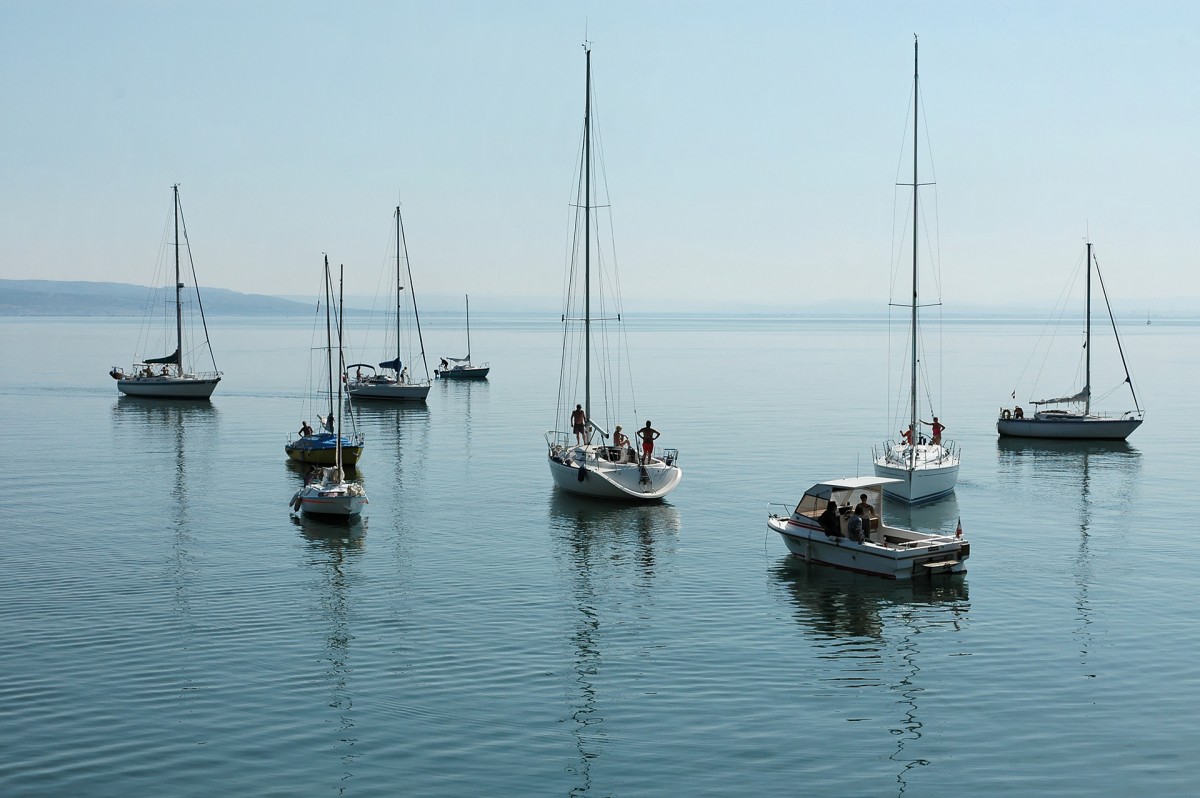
[393,364]
[842,491]
[1082,396]
[360,366]
[173,358]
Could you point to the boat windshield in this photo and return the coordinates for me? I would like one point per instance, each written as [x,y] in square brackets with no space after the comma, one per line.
[817,498]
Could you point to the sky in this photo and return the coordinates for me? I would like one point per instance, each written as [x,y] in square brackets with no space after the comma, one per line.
[751,148]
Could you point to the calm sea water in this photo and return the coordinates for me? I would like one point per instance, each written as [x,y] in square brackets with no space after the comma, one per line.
[170,629]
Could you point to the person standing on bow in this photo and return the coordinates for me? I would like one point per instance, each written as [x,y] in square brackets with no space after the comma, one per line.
[647,434]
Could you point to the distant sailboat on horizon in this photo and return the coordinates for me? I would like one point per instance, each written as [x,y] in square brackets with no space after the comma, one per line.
[171,376]
[1081,423]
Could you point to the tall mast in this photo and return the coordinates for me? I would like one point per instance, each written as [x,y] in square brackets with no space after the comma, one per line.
[468,299]
[411,292]
[398,289]
[916,130]
[1087,339]
[587,245]
[337,430]
[329,337]
[178,289]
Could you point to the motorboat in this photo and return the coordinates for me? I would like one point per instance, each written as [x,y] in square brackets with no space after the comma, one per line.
[819,530]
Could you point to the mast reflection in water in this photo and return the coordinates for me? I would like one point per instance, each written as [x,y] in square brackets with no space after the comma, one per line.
[610,554]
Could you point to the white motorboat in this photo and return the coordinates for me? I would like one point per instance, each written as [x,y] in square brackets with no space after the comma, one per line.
[461,368]
[326,492]
[819,530]
[919,469]
[173,376]
[1076,421]
[393,381]
[595,459]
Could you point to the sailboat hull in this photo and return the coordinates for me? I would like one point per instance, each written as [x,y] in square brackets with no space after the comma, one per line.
[1069,427]
[932,476]
[468,373]
[603,479]
[404,392]
[168,387]
[322,451]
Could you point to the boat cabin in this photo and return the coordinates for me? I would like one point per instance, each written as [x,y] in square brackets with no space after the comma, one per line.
[846,494]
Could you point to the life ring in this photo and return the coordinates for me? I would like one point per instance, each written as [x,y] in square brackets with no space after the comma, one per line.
[1005,414]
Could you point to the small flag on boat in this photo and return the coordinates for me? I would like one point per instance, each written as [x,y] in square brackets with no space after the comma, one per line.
[958,531]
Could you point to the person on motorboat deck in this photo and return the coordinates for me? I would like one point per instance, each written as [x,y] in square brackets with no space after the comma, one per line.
[854,529]
[829,520]
[937,430]
[647,434]
[867,511]
[579,424]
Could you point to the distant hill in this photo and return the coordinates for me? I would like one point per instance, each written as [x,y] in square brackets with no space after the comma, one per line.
[68,298]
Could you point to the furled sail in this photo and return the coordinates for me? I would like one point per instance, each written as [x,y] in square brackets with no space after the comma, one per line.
[1082,396]
[172,358]
[394,364]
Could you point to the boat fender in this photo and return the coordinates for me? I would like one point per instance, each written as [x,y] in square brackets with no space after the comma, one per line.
[1005,414]
[582,473]
[295,502]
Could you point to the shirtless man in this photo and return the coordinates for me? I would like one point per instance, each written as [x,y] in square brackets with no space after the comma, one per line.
[579,424]
[867,510]
[647,434]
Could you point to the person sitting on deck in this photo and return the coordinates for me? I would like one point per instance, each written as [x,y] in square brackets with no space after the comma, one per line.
[305,430]
[854,529]
[829,521]
[1018,413]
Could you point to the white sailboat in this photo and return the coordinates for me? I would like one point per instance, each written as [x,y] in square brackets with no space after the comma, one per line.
[461,368]
[329,494]
[592,460]
[172,376]
[393,381]
[1077,422]
[925,469]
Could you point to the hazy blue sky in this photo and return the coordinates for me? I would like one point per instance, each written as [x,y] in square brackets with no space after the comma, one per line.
[751,147]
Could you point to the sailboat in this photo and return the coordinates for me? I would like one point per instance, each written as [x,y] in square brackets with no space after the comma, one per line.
[329,494]
[461,368]
[596,460]
[926,469]
[1078,423]
[327,445]
[396,385]
[168,377]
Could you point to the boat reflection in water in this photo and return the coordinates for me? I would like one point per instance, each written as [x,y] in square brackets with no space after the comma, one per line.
[175,438]
[1103,474]
[875,630]
[611,554]
[334,550]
